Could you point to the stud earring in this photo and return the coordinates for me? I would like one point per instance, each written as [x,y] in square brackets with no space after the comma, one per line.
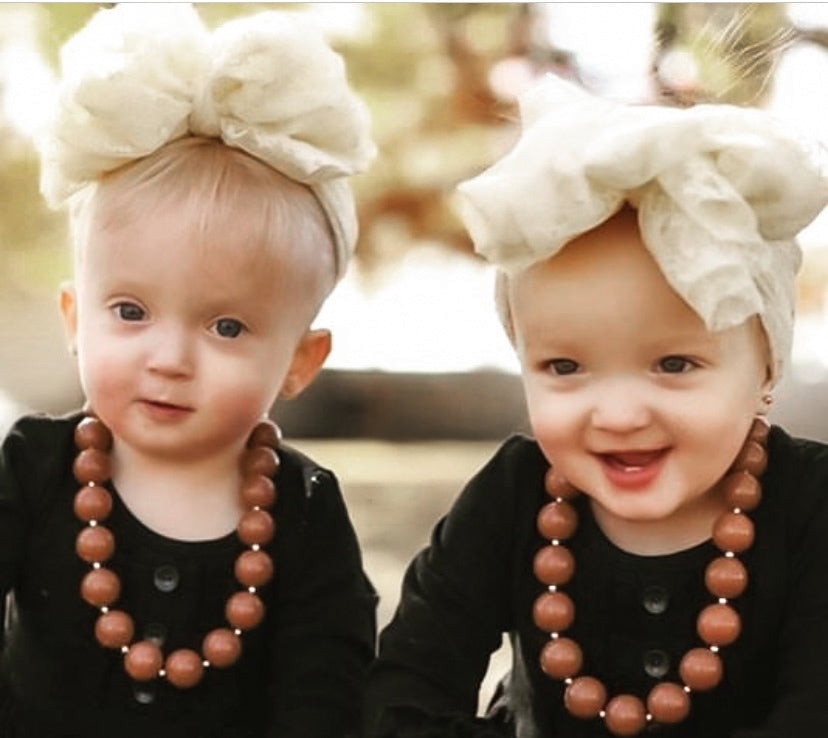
[767,401]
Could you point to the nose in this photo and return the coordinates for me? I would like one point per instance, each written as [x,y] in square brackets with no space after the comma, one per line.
[620,407]
[171,351]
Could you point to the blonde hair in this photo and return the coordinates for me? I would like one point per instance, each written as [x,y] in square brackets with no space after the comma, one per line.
[218,187]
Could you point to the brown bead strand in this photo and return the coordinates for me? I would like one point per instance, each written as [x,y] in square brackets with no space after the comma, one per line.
[717,625]
[101,587]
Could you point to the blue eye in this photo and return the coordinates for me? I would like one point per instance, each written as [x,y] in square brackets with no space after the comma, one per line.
[676,364]
[562,367]
[129,311]
[228,327]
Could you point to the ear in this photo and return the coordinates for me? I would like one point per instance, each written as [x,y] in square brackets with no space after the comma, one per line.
[308,358]
[68,304]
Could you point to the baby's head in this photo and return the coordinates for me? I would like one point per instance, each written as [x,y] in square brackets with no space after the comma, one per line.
[206,177]
[647,262]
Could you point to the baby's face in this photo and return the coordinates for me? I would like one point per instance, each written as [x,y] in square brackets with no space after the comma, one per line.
[629,395]
[183,345]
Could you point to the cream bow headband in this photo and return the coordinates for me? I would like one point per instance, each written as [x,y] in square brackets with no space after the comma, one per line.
[721,194]
[141,75]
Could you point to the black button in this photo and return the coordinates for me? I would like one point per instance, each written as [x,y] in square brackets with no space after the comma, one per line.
[144,694]
[155,632]
[166,578]
[656,663]
[655,599]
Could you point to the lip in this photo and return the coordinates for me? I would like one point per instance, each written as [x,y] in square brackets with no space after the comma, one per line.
[164,411]
[632,470]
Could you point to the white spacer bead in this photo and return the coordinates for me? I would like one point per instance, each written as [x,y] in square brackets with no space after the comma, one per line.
[714,649]
[554,636]
[555,542]
[252,590]
[93,523]
[96,564]
[687,689]
[255,547]
[237,631]
[553,588]
[602,714]
[104,609]
[162,673]
[205,664]
[737,510]
[722,600]
[648,717]
[729,554]
[568,680]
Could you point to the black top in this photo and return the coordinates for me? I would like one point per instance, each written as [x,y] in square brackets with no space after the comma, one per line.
[635,615]
[301,672]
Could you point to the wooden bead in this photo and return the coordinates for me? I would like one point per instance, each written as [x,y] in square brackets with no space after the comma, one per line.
[726,577]
[266,433]
[92,433]
[259,460]
[557,486]
[244,610]
[554,565]
[553,611]
[254,568]
[143,661]
[585,697]
[184,668]
[668,703]
[95,543]
[255,526]
[742,490]
[759,431]
[258,491]
[733,532]
[221,647]
[625,715]
[561,658]
[718,625]
[114,629]
[751,458]
[92,503]
[701,669]
[100,587]
[92,465]
[557,520]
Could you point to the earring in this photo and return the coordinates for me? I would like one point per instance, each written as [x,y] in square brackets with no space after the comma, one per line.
[767,401]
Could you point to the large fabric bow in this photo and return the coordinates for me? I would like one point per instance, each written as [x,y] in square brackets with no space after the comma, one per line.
[140,75]
[721,194]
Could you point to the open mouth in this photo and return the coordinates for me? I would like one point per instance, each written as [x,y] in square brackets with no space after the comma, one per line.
[632,469]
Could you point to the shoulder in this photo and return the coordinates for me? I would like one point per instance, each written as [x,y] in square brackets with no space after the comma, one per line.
[797,479]
[39,443]
[505,490]
[308,488]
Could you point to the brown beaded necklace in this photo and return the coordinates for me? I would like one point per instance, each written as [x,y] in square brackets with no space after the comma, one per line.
[100,587]
[717,625]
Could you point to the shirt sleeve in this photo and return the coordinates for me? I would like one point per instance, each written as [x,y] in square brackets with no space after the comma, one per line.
[800,706]
[455,605]
[325,629]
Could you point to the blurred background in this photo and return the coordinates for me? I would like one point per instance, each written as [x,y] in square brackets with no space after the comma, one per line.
[421,384]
